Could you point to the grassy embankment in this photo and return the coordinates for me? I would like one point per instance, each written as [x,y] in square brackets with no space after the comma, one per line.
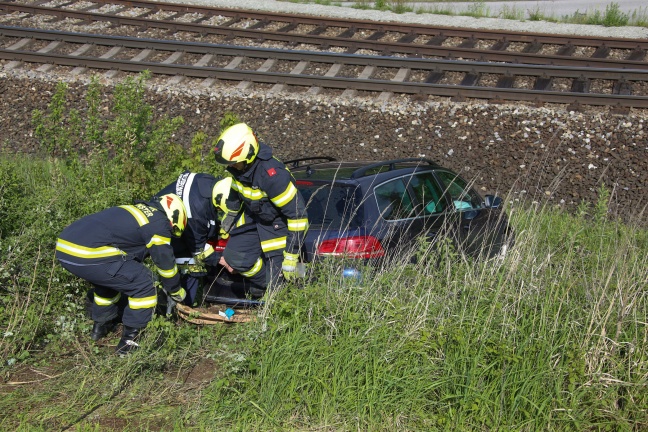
[552,337]
[612,16]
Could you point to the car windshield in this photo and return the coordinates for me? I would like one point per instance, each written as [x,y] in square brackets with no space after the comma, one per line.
[332,206]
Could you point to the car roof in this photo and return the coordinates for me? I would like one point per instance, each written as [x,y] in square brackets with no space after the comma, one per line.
[327,168]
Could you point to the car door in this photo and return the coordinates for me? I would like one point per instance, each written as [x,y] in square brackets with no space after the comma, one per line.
[397,215]
[410,206]
[430,205]
[481,231]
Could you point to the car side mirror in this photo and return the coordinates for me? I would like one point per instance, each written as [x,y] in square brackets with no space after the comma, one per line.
[492,201]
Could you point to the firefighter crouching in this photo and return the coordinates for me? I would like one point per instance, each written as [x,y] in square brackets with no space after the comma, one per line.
[107,249]
[205,199]
[269,195]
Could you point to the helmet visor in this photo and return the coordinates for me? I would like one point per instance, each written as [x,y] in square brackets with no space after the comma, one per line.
[176,231]
[177,225]
[218,154]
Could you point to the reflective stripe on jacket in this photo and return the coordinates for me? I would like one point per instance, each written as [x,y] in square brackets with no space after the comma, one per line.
[123,232]
[268,191]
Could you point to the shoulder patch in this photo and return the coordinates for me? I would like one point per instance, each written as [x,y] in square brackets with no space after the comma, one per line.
[271,172]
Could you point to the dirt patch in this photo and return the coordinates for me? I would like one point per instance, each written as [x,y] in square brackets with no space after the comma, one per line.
[202,373]
[33,378]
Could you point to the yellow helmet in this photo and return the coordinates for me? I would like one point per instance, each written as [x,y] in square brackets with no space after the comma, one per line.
[221,193]
[236,144]
[176,212]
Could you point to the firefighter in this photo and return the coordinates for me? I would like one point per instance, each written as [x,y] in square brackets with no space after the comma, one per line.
[208,200]
[107,249]
[269,195]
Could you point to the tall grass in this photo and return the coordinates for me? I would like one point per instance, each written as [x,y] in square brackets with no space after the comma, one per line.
[551,336]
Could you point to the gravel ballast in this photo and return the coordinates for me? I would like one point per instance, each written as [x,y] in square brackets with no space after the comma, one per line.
[552,154]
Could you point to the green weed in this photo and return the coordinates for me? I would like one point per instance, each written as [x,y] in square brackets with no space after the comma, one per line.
[611,17]
[511,12]
[100,162]
[477,9]
[536,14]
[639,17]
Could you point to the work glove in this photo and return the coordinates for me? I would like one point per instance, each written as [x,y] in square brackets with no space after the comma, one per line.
[289,265]
[223,234]
[200,258]
[179,295]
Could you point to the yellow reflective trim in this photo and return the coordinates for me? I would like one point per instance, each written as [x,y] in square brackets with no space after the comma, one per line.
[105,301]
[157,240]
[274,244]
[138,214]
[86,252]
[168,273]
[142,302]
[209,249]
[241,220]
[297,224]
[181,293]
[285,197]
[248,192]
[255,268]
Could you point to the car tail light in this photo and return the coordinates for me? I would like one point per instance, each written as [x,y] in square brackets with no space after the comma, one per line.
[352,247]
[218,245]
[304,183]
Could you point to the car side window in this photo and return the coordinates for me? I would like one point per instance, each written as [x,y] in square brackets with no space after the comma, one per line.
[462,196]
[427,193]
[331,206]
[393,200]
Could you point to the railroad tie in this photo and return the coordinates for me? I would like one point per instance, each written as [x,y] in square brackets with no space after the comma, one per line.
[366,74]
[333,71]
[401,76]
[49,48]
[23,43]
[297,70]
[265,67]
[204,61]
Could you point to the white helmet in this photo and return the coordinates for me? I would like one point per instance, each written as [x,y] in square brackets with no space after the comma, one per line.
[175,211]
[236,144]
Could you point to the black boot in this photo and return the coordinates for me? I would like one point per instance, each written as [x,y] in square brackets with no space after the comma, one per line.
[128,342]
[100,330]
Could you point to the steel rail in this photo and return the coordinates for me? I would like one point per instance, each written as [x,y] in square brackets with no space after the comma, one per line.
[512,36]
[457,91]
[350,43]
[432,65]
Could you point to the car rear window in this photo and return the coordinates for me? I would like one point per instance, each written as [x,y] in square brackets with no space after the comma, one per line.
[332,206]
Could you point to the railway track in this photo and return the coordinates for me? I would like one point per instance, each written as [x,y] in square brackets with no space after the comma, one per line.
[316,54]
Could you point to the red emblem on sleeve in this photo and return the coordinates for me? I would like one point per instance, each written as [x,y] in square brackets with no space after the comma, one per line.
[272,172]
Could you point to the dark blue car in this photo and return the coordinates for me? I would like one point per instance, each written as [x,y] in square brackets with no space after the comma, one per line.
[365,212]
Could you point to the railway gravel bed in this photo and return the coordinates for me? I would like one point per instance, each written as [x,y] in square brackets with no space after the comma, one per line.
[545,154]
[554,154]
